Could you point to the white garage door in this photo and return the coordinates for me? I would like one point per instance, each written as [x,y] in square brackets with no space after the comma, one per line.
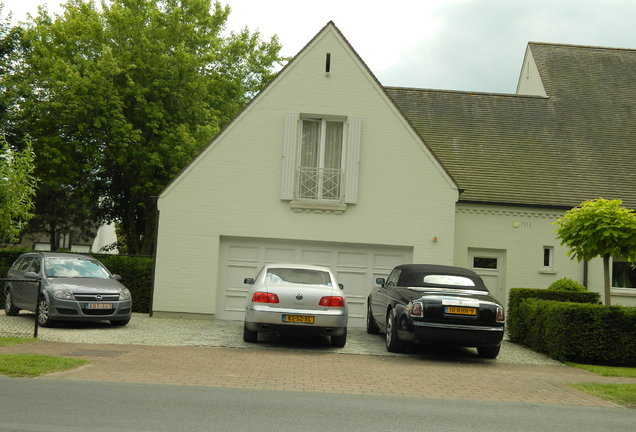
[355,266]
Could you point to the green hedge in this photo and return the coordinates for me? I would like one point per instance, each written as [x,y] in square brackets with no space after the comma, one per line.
[8,257]
[515,328]
[136,275]
[135,272]
[579,332]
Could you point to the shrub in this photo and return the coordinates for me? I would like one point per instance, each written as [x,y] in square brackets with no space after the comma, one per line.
[516,326]
[580,332]
[136,275]
[8,256]
[567,284]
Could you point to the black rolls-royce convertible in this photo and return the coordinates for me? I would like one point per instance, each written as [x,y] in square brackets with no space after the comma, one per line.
[436,305]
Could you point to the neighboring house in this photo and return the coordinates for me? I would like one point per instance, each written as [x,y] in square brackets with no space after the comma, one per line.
[101,240]
[326,166]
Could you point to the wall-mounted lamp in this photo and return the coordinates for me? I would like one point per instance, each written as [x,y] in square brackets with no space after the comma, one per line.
[435,239]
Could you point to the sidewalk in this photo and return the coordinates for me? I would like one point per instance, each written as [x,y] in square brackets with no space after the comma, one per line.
[312,366]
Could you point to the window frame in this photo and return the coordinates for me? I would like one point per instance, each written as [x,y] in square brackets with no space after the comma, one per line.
[350,162]
[321,158]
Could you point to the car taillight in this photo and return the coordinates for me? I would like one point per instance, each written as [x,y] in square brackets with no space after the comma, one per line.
[417,309]
[332,301]
[263,297]
[500,315]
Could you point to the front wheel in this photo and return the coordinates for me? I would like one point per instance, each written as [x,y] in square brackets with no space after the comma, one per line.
[393,342]
[44,319]
[489,352]
[9,307]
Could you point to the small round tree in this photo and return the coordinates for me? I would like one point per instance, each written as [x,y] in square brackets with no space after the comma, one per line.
[602,228]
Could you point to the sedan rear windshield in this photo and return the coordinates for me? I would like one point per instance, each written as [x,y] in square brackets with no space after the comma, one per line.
[74,268]
[297,276]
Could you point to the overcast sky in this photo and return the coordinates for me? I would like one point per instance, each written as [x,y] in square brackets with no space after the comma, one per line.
[472,45]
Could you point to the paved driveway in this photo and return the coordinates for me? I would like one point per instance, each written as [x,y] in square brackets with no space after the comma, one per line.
[212,353]
[143,330]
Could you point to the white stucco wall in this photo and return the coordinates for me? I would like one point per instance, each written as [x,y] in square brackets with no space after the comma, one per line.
[233,188]
[522,233]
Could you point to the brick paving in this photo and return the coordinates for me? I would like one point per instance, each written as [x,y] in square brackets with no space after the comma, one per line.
[413,375]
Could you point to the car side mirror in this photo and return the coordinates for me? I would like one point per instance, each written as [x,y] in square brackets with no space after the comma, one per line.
[248,281]
[31,275]
[380,281]
[341,286]
[116,277]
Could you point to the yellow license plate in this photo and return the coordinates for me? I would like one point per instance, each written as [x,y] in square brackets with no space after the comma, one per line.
[299,319]
[458,310]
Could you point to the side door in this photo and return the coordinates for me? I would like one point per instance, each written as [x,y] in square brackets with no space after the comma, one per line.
[19,289]
[382,296]
[32,287]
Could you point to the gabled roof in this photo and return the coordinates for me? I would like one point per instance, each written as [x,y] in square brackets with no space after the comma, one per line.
[577,143]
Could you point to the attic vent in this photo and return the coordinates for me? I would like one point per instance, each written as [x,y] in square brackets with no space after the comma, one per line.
[327,63]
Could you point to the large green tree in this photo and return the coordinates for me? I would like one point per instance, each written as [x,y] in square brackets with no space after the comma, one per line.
[119,98]
[599,228]
[17,187]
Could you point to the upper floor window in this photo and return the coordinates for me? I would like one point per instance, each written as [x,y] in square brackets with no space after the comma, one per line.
[320,169]
[320,161]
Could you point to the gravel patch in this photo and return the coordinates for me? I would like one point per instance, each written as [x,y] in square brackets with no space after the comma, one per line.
[144,330]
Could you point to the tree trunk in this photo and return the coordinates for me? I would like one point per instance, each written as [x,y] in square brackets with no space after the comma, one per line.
[52,237]
[606,280]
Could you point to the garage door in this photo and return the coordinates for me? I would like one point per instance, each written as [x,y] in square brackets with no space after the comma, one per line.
[355,266]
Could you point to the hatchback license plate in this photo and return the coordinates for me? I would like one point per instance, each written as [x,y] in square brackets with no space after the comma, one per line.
[97,306]
[299,319]
[458,310]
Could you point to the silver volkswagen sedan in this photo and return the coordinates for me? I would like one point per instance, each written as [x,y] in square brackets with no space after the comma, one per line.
[295,299]
[72,287]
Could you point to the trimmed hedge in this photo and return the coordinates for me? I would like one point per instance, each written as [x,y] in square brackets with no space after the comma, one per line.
[518,295]
[135,272]
[8,257]
[579,332]
[136,275]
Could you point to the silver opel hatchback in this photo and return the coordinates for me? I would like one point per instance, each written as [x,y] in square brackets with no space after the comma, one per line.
[72,287]
[296,299]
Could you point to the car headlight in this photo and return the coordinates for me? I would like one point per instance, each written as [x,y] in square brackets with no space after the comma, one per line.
[125,294]
[63,293]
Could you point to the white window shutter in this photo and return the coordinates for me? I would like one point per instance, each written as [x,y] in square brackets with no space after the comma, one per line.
[352,160]
[290,141]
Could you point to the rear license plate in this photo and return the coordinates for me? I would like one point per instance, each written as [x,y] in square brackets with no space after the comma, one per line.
[97,306]
[298,319]
[459,310]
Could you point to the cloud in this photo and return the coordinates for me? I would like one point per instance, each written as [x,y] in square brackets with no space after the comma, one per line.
[480,44]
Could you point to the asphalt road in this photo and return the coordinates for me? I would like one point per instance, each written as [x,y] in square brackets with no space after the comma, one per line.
[60,405]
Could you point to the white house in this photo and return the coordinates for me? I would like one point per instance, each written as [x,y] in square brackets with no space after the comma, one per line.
[326,166]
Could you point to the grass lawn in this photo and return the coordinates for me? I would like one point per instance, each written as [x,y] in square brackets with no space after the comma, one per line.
[8,341]
[621,394]
[31,365]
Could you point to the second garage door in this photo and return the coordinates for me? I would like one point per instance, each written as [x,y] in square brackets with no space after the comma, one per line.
[355,266]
